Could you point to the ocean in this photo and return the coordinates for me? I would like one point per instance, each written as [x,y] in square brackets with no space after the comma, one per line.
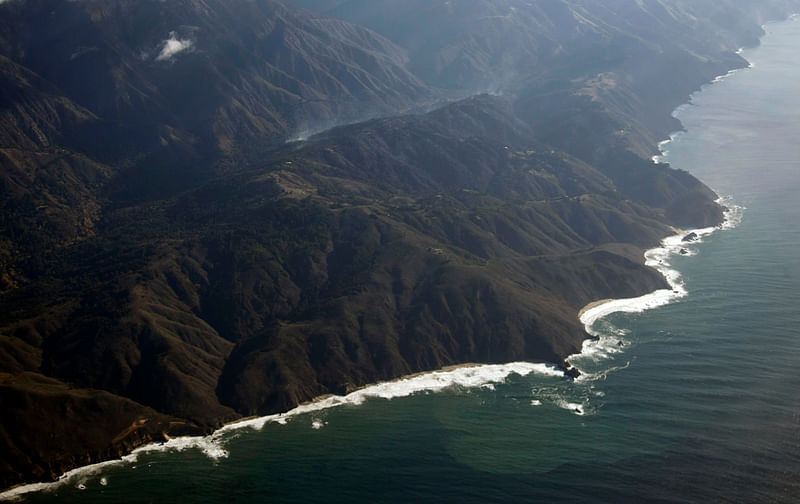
[694,400]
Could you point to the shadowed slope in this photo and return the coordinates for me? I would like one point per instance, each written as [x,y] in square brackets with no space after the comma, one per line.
[167,256]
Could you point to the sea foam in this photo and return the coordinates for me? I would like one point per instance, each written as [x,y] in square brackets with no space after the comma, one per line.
[213,445]
[663,146]
[77,477]
[601,347]
[470,376]
[605,343]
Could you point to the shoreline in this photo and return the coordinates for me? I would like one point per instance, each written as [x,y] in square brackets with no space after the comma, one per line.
[249,420]
[593,304]
[469,374]
[601,346]
[211,444]
[656,257]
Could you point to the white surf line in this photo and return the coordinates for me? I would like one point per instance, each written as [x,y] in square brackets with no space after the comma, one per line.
[79,475]
[602,345]
[662,146]
[663,150]
[467,375]
[210,445]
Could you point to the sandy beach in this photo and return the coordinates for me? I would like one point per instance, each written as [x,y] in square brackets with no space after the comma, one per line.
[593,304]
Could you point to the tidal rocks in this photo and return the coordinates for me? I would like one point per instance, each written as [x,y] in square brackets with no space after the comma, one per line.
[166,256]
[570,371]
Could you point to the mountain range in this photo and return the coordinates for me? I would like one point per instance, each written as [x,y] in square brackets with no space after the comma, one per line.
[214,209]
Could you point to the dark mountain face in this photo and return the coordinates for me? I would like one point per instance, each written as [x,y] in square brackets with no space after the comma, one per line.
[268,273]
[169,90]
[222,71]
[170,262]
[124,102]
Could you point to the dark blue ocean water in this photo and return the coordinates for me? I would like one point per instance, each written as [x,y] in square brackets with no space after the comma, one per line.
[701,404]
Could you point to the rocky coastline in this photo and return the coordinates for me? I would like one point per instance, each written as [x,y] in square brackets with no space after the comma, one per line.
[136,312]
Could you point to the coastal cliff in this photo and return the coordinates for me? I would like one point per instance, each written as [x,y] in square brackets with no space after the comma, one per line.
[179,250]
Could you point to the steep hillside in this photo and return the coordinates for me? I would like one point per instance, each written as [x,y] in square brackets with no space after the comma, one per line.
[109,104]
[371,251]
[640,59]
[178,249]
[224,72]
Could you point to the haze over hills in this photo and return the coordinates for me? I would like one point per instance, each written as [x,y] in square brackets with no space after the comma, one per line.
[622,51]
[172,260]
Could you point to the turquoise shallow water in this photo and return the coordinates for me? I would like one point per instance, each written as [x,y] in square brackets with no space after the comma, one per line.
[702,403]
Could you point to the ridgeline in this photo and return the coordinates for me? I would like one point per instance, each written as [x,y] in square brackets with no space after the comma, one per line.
[178,249]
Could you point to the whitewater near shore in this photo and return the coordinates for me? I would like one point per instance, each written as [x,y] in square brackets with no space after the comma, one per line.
[469,375]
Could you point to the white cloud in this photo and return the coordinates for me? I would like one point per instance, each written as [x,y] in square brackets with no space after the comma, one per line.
[172,46]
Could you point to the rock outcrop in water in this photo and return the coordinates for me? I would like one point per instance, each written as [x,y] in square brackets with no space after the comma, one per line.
[168,262]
